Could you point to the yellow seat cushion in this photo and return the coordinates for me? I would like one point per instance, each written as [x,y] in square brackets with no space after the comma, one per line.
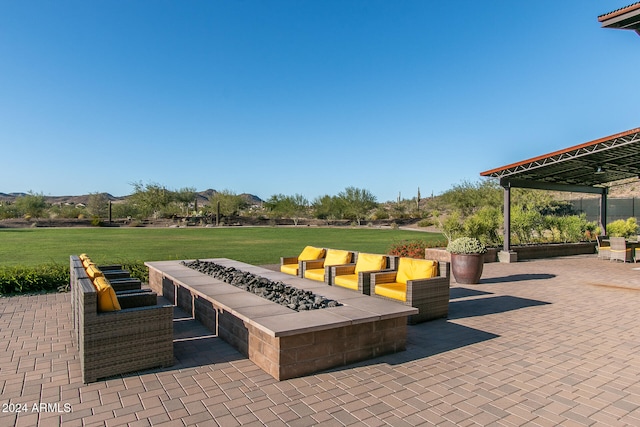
[370,262]
[411,269]
[310,252]
[397,291]
[337,257]
[289,269]
[315,274]
[87,262]
[83,256]
[349,281]
[93,272]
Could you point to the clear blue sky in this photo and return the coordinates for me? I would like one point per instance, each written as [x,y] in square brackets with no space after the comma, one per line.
[309,97]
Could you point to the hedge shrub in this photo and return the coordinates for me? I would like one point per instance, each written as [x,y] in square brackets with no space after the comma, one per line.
[51,277]
[33,279]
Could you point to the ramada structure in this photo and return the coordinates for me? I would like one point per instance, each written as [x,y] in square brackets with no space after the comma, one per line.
[584,168]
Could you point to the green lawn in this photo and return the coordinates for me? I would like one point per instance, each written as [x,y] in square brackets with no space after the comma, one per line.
[254,245]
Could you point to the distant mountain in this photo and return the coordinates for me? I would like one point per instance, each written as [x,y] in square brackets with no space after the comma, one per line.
[203,198]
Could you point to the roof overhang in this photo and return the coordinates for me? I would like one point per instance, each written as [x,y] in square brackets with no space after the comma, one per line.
[626,18]
[586,167]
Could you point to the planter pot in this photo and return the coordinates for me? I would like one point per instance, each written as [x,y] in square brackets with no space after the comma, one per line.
[467,268]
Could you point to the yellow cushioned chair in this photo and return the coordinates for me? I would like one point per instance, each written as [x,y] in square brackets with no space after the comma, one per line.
[357,276]
[408,269]
[418,283]
[319,269]
[291,265]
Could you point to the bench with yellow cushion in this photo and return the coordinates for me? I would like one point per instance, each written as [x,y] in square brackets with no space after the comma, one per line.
[357,276]
[291,265]
[423,284]
[319,269]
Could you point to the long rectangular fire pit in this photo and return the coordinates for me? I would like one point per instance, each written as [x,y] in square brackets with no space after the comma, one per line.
[283,342]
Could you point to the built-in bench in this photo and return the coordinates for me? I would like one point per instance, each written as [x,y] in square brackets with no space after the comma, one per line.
[283,342]
[137,336]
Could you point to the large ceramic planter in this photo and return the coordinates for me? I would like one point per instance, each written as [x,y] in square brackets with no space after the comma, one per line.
[467,268]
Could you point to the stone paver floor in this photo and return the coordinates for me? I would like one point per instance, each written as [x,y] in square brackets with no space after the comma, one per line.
[540,343]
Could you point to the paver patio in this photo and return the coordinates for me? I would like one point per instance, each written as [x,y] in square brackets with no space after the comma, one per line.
[545,342]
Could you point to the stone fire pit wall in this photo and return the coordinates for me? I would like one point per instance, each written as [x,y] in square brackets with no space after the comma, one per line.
[283,342]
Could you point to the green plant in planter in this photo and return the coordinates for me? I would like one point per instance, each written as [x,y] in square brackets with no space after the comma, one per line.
[466,245]
[467,259]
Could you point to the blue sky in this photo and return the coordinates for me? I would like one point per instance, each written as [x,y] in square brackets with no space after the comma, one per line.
[309,97]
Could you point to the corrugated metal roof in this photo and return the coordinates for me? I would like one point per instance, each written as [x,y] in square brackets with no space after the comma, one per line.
[620,11]
[593,163]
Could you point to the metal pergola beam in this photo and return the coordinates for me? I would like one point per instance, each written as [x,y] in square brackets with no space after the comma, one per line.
[540,185]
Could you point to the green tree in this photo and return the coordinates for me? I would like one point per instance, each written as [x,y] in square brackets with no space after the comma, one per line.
[468,197]
[328,207]
[98,205]
[230,203]
[184,197]
[293,207]
[358,202]
[31,205]
[151,199]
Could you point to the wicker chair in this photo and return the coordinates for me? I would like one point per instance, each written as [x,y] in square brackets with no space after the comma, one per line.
[138,336]
[320,269]
[604,250]
[292,264]
[430,296]
[619,250]
[357,276]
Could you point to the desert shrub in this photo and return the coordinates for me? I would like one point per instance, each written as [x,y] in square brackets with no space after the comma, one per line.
[622,228]
[8,210]
[484,225]
[425,222]
[380,213]
[33,279]
[137,269]
[571,228]
[528,225]
[413,248]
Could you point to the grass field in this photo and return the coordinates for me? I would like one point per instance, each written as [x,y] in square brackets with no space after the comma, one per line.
[254,245]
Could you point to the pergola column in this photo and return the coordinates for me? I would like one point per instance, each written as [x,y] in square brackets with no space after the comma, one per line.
[506,255]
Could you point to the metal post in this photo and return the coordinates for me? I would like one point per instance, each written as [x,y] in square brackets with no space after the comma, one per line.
[603,211]
[507,219]
[506,255]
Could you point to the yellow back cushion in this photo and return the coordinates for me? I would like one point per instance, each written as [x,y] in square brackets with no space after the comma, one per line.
[310,252]
[100,282]
[93,272]
[411,269]
[107,300]
[83,256]
[337,257]
[370,262]
[87,262]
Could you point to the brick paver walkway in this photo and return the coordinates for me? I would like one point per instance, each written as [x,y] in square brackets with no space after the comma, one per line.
[549,342]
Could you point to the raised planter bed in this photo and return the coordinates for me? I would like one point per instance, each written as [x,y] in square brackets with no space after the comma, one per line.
[538,251]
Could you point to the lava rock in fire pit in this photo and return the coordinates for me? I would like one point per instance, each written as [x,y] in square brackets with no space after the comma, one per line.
[278,292]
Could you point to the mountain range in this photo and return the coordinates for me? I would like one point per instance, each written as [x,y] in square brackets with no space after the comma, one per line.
[203,198]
